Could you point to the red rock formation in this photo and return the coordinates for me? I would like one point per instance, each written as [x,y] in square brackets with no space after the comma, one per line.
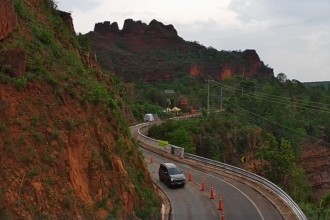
[195,71]
[227,72]
[132,27]
[8,19]
[158,27]
[155,52]
[107,29]
[255,65]
[138,35]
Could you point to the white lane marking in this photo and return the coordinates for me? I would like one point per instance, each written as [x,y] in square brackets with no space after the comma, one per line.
[189,167]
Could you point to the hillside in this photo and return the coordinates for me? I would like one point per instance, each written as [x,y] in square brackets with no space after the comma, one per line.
[324,84]
[155,52]
[65,146]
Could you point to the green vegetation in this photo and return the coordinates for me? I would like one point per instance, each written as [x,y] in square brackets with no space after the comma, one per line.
[262,120]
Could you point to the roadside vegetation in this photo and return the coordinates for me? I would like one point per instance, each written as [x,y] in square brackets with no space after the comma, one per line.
[262,127]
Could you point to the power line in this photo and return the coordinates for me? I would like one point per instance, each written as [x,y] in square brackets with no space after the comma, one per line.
[279,99]
[260,121]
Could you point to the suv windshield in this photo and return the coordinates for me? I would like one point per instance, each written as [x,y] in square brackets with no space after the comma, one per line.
[174,171]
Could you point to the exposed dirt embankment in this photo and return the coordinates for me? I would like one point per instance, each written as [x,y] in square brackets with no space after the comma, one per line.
[315,160]
[59,156]
[65,149]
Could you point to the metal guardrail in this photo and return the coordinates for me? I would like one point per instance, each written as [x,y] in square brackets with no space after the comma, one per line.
[238,172]
[243,173]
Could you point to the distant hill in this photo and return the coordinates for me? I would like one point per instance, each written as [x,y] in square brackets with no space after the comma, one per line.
[325,84]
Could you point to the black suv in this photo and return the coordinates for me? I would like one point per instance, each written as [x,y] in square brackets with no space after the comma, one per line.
[171,175]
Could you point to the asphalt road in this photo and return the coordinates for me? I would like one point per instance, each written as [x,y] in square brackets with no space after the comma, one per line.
[188,202]
[239,201]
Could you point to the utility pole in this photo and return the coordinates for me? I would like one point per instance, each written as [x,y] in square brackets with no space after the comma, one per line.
[208,97]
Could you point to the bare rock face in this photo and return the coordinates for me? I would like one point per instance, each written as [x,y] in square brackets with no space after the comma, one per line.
[132,27]
[8,19]
[158,27]
[107,29]
[138,35]
[256,65]
[66,16]
[14,62]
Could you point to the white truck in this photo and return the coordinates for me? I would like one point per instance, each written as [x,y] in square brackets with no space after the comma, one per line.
[148,117]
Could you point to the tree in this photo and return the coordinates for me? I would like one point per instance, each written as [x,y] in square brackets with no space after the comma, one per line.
[324,206]
[280,158]
[281,77]
[181,138]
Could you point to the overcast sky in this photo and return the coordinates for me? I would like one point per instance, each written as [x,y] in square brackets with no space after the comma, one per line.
[290,36]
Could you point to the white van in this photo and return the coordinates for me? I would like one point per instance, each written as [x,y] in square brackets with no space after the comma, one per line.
[148,117]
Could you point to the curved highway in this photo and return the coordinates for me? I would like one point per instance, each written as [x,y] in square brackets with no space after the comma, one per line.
[239,201]
[188,202]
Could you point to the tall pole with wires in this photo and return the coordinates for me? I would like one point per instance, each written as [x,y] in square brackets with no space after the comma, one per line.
[208,97]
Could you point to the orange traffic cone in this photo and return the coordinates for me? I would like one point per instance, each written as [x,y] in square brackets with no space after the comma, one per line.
[203,185]
[220,204]
[212,193]
[189,177]
[151,159]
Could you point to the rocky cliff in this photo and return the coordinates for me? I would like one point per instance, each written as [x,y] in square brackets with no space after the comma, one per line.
[65,147]
[155,52]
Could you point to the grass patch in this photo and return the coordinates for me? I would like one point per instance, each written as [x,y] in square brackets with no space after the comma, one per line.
[2,192]
[3,127]
[35,121]
[102,204]
[34,172]
[9,146]
[38,137]
[21,141]
[68,200]
[22,10]
[46,158]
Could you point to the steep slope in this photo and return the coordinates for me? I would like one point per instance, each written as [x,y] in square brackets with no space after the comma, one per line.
[315,160]
[65,147]
[155,52]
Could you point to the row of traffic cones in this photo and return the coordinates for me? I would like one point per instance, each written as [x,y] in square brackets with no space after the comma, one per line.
[212,195]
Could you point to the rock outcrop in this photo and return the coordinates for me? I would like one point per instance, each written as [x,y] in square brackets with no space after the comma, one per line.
[137,35]
[155,52]
[67,19]
[8,17]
